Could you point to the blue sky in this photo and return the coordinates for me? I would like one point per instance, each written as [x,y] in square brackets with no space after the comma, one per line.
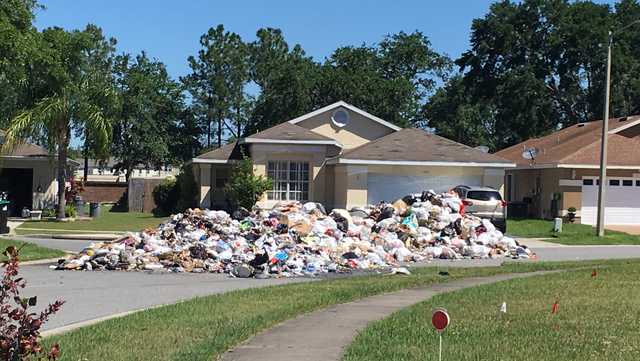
[169,29]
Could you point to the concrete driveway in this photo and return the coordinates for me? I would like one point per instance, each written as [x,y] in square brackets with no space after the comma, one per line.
[96,295]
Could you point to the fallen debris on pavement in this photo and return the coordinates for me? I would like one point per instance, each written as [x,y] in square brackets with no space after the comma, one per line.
[295,239]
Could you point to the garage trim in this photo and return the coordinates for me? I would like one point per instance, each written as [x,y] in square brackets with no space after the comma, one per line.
[423,163]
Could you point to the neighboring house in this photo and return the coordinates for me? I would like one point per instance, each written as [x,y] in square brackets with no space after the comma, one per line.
[104,185]
[102,171]
[28,175]
[565,166]
[343,157]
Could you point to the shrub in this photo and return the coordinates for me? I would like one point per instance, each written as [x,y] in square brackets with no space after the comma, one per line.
[122,205]
[187,189]
[19,327]
[76,187]
[245,188]
[70,211]
[165,196]
[48,212]
[176,195]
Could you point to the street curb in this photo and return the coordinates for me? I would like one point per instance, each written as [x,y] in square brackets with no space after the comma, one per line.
[46,261]
[75,237]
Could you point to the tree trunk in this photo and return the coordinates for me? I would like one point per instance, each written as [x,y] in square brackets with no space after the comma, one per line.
[127,177]
[239,123]
[63,146]
[86,164]
[220,120]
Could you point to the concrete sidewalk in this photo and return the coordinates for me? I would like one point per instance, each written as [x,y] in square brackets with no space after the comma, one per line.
[327,332]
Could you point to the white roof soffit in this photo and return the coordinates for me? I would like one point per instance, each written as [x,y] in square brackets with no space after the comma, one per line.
[593,166]
[626,126]
[284,141]
[210,161]
[348,106]
[576,166]
[423,163]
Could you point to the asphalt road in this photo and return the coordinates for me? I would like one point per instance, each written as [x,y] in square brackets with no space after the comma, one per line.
[70,245]
[91,295]
[94,295]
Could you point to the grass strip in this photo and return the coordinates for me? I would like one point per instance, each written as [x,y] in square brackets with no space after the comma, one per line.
[597,319]
[572,233]
[107,221]
[205,327]
[29,251]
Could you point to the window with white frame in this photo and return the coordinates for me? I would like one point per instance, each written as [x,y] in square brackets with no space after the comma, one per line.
[290,180]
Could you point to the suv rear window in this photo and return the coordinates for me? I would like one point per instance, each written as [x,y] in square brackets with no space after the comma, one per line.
[484,195]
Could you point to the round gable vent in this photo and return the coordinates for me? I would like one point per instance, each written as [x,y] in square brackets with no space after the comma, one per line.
[340,118]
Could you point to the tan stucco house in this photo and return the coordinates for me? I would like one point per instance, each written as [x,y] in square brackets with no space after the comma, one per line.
[28,175]
[344,157]
[561,170]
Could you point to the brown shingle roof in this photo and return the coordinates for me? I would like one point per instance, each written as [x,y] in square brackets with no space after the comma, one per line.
[24,149]
[416,145]
[623,151]
[578,144]
[288,131]
[226,152]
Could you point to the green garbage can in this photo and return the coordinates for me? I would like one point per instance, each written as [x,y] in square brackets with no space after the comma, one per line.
[4,215]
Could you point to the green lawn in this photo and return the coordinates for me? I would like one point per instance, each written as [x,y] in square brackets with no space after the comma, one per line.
[572,233]
[597,319]
[30,252]
[106,222]
[205,327]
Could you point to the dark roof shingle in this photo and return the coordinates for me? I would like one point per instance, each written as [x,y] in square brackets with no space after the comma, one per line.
[578,144]
[288,131]
[226,152]
[24,149]
[416,145]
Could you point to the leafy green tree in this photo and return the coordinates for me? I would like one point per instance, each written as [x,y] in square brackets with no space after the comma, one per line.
[218,76]
[19,41]
[391,80]
[72,102]
[100,59]
[455,116]
[150,103]
[287,79]
[537,65]
[245,188]
[185,137]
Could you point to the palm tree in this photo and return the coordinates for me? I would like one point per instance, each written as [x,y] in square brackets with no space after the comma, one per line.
[54,118]
[73,83]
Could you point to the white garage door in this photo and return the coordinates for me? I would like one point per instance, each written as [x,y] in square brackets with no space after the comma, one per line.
[389,187]
[622,201]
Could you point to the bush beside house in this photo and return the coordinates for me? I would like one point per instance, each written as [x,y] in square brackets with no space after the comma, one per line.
[176,194]
[244,187]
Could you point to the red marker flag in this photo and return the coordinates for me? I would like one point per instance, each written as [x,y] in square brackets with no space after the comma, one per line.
[594,273]
[554,308]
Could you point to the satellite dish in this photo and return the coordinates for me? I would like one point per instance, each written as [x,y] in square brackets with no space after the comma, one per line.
[483,148]
[530,153]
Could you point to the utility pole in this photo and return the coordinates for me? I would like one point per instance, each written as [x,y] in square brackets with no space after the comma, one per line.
[603,148]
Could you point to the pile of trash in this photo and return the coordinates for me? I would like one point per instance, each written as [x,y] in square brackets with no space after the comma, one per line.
[294,239]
